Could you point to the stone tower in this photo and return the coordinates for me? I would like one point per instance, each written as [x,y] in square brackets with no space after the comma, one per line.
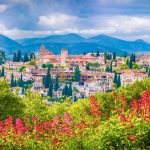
[64,56]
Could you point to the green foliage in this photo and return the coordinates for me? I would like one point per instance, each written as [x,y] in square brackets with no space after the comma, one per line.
[10,104]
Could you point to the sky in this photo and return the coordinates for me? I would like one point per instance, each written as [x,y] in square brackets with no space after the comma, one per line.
[126,19]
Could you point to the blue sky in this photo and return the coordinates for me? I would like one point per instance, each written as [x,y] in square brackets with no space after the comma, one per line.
[126,19]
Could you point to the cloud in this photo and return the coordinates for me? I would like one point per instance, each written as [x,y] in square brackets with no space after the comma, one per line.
[3,7]
[57,21]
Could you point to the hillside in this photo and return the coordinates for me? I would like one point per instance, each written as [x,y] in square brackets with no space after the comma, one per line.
[8,43]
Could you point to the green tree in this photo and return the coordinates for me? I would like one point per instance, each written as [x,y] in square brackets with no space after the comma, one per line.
[97,54]
[20,81]
[50,88]
[19,57]
[76,76]
[12,84]
[148,72]
[15,57]
[44,66]
[56,85]
[47,79]
[3,71]
[26,58]
[114,55]
[70,90]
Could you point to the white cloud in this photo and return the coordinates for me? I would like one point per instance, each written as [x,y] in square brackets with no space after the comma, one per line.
[3,7]
[57,21]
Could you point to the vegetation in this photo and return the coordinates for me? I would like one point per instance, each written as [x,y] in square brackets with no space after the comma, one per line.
[114,120]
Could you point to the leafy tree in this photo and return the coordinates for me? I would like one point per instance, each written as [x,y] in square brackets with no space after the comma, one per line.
[10,104]
[65,91]
[22,68]
[56,87]
[50,66]
[76,76]
[44,66]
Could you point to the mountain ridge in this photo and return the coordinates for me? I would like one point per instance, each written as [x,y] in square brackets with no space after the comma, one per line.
[76,43]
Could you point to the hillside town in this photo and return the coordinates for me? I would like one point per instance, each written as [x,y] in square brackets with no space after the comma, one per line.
[59,76]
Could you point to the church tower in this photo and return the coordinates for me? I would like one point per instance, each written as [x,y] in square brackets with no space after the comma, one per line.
[64,56]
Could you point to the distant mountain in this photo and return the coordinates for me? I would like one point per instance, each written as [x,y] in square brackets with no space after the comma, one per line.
[75,43]
[137,45]
[68,38]
[8,44]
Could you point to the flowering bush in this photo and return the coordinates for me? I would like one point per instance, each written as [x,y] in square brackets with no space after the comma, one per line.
[123,129]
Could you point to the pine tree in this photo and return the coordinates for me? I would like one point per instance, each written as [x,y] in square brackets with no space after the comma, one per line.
[56,87]
[76,76]
[3,71]
[12,84]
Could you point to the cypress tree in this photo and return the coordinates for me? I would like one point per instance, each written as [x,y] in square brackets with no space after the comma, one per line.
[56,87]
[130,64]
[114,55]
[20,81]
[70,90]
[110,68]
[47,79]
[97,54]
[19,57]
[107,69]
[3,72]
[84,53]
[125,54]
[26,58]
[12,84]
[149,73]
[118,80]
[15,57]
[76,76]
[50,88]
[115,78]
